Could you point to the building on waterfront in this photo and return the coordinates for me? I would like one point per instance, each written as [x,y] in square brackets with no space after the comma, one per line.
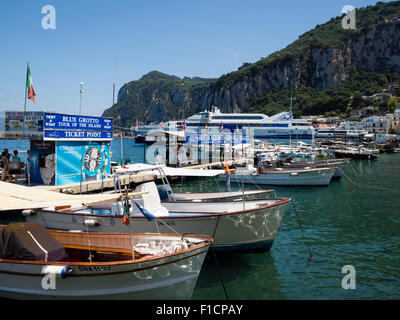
[13,126]
[374,124]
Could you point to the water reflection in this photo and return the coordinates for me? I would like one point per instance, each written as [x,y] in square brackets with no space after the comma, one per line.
[246,276]
[355,220]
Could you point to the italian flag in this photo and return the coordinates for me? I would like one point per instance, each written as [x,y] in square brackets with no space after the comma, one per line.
[29,85]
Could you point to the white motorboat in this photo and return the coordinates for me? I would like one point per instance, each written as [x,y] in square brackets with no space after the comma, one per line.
[216,196]
[166,193]
[282,177]
[39,264]
[340,165]
[237,225]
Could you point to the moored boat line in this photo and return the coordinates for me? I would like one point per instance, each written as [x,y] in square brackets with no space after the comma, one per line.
[239,221]
[236,225]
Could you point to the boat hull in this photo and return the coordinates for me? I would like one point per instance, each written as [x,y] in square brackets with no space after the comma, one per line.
[337,174]
[251,229]
[171,277]
[355,156]
[306,178]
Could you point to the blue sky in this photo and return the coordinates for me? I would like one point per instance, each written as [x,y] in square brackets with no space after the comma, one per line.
[185,38]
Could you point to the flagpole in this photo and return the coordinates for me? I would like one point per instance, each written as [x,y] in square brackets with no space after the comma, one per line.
[80,101]
[26,92]
[129,224]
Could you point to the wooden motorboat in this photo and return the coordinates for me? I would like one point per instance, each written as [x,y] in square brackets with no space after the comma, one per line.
[36,263]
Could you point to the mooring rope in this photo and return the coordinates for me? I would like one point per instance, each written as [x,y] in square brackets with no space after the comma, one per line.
[302,230]
[216,262]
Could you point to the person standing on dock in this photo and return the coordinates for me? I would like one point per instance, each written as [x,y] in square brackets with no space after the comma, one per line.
[15,166]
[5,165]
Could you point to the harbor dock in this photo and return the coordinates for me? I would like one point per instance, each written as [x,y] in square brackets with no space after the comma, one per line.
[131,180]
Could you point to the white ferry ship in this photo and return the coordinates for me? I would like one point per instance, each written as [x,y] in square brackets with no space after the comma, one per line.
[279,128]
[167,126]
[340,133]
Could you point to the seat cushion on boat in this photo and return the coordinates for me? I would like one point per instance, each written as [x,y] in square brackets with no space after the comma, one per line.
[29,241]
[150,200]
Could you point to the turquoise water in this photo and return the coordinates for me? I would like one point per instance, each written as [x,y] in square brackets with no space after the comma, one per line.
[353,221]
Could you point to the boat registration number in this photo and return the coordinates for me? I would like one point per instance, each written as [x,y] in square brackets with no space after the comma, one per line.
[168,223]
[94,268]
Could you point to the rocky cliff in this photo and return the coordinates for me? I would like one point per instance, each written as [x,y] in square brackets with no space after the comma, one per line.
[320,59]
[375,49]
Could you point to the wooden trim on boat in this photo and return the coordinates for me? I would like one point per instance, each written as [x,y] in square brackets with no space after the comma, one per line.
[102,264]
[58,234]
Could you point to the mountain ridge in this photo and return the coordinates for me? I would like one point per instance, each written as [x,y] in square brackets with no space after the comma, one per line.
[322,60]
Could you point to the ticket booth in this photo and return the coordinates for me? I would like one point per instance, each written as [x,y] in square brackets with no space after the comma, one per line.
[73,149]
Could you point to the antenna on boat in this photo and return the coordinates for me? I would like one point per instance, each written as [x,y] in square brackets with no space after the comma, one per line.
[80,100]
[291,108]
[126,206]
[122,151]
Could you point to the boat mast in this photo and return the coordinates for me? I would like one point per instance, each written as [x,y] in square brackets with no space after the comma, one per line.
[290,117]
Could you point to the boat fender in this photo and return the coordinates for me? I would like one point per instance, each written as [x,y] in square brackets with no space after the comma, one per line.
[91,223]
[28,213]
[294,174]
[61,271]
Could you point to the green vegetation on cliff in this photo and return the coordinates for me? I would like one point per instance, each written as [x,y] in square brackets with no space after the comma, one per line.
[342,99]
[330,34]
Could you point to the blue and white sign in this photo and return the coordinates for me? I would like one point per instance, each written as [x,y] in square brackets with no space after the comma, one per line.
[69,127]
[76,135]
[82,161]
[54,121]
